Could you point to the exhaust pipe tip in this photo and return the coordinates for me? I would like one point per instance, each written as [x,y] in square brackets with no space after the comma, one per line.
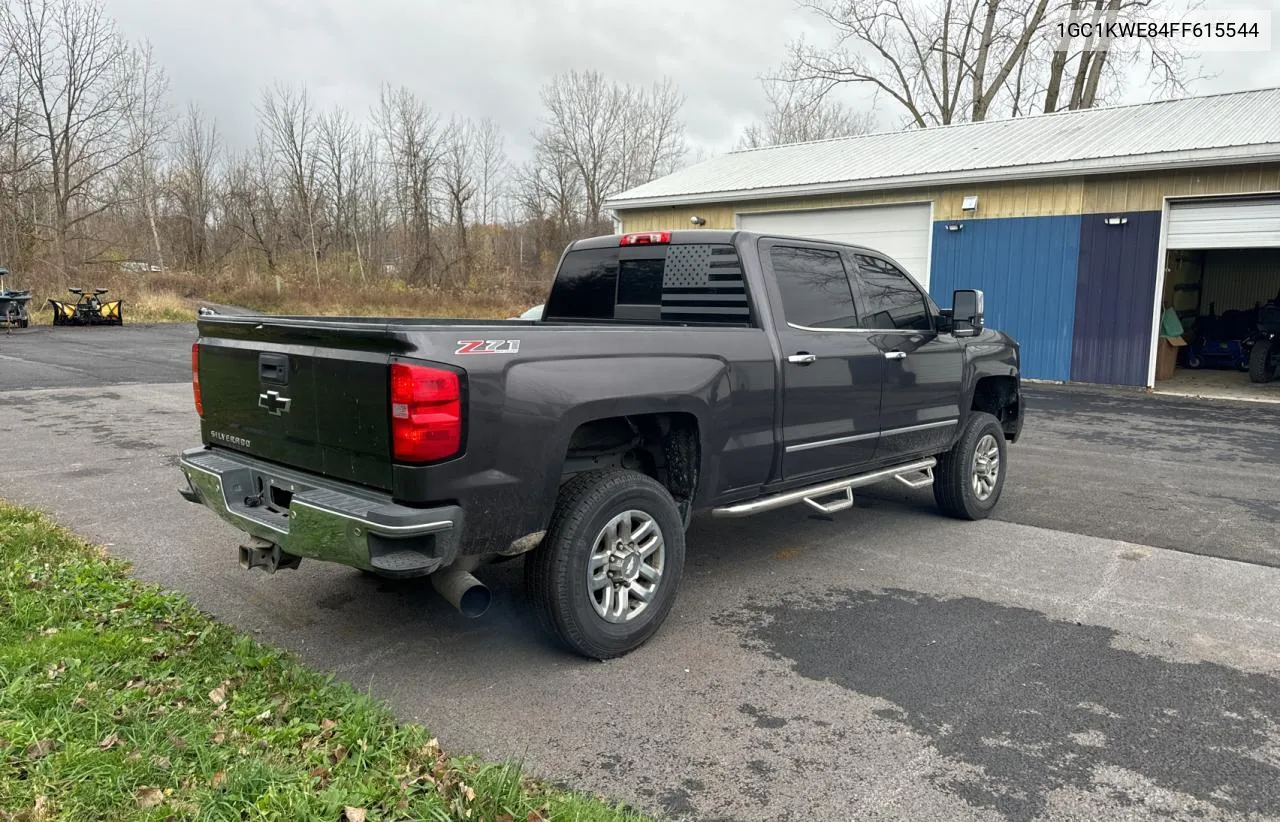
[475,602]
[463,591]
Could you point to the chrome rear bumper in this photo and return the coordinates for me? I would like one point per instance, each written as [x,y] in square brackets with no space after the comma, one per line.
[311,516]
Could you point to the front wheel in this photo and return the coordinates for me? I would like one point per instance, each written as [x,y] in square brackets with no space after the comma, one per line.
[605,576]
[969,478]
[1262,365]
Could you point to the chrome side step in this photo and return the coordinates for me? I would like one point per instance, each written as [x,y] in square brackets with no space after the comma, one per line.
[918,474]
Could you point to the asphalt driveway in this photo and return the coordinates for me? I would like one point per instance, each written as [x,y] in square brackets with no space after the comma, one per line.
[1057,662]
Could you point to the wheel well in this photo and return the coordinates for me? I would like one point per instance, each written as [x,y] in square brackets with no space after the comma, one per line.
[998,396]
[665,446]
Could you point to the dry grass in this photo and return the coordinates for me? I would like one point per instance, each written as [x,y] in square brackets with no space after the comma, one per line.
[175,296]
[160,307]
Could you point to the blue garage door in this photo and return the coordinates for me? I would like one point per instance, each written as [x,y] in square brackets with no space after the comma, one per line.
[1027,268]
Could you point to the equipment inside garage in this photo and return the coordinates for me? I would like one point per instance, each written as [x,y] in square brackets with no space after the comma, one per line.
[1222,278]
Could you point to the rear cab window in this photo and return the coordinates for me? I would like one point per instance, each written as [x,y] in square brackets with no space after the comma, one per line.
[679,283]
[814,287]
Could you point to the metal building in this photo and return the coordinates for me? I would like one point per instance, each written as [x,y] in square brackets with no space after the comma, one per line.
[1081,226]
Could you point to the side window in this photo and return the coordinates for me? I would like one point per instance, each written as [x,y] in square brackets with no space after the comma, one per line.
[890,299]
[814,286]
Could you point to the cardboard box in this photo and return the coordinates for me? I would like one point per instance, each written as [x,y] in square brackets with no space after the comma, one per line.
[1167,356]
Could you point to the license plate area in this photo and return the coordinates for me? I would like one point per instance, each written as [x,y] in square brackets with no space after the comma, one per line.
[264,498]
[280,497]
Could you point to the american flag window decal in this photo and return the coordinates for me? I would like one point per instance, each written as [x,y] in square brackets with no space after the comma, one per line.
[704,283]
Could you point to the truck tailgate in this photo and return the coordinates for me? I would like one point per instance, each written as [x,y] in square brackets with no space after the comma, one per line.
[316,407]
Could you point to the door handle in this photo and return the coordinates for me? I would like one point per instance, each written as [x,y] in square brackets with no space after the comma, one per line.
[895,355]
[803,358]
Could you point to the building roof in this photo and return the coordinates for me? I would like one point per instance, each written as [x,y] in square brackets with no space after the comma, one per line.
[1220,129]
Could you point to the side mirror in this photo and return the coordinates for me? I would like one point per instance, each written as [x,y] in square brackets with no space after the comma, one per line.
[966,313]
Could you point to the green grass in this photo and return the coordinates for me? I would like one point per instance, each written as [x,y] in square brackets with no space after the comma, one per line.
[121,701]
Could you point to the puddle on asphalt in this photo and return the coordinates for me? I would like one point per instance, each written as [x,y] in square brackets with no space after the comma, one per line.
[1038,705]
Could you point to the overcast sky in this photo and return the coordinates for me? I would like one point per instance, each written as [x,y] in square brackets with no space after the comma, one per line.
[482,58]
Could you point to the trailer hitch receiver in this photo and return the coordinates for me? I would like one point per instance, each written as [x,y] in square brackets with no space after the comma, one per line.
[264,554]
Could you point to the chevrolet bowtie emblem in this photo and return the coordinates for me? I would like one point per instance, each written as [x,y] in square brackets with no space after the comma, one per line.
[274,403]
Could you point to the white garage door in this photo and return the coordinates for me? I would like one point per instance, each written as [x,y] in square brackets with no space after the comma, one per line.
[1252,223]
[899,231]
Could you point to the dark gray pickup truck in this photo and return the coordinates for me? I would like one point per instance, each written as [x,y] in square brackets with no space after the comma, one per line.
[671,373]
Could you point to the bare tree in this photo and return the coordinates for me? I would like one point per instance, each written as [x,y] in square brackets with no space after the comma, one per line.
[20,165]
[653,140]
[75,69]
[459,183]
[613,136]
[289,126]
[88,169]
[548,193]
[410,138]
[961,60]
[368,202]
[492,168]
[252,202]
[339,139]
[192,182]
[149,120]
[1088,62]
[799,113]
[585,118]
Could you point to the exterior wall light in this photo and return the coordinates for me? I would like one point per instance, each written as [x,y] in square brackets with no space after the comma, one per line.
[970,203]
[698,220]
[1116,220]
[954,226]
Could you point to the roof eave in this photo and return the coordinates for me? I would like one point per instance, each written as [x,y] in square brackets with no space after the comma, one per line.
[1200,158]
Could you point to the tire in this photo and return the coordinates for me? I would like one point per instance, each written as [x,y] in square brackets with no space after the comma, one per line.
[955,476]
[558,572]
[1261,369]
[1194,361]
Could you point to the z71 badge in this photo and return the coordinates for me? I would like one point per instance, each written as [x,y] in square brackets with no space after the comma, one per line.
[488,347]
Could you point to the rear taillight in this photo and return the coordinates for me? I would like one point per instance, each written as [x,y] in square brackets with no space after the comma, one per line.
[195,377]
[426,413]
[646,238]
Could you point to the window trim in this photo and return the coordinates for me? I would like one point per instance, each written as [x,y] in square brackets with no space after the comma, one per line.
[798,327]
[930,309]
[772,243]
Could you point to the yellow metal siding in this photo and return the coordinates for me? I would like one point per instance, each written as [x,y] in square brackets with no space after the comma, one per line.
[1004,200]
[1119,193]
[1147,192]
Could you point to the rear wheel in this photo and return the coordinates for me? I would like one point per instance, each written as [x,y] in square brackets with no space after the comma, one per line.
[969,478]
[1262,365]
[605,576]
